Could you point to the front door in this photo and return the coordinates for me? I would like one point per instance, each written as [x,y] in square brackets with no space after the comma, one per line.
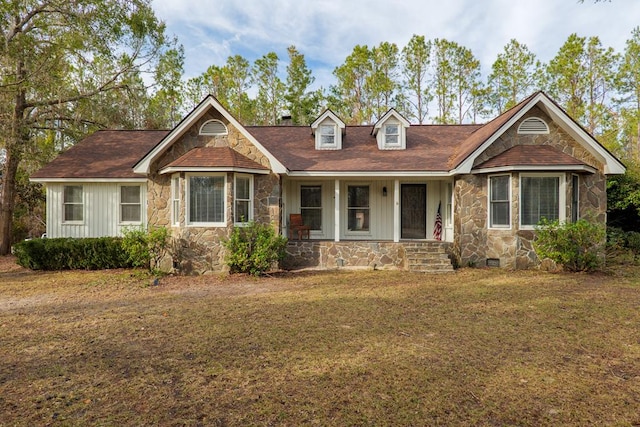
[413,211]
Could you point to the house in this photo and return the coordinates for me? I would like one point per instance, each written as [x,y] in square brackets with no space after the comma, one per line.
[391,194]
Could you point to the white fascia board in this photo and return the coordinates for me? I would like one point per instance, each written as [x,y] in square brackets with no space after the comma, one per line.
[88,180]
[327,174]
[554,168]
[392,112]
[612,166]
[467,164]
[144,165]
[332,116]
[208,169]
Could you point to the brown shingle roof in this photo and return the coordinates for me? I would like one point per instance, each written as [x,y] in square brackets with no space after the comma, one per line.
[214,157]
[465,148]
[530,155]
[428,149]
[104,154]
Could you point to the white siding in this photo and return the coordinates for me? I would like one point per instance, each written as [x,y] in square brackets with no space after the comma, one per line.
[381,207]
[101,215]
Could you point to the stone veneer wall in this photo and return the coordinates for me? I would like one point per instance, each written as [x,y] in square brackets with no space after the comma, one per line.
[195,250]
[330,254]
[475,243]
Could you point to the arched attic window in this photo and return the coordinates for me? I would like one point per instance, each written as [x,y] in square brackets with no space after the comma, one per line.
[213,127]
[533,126]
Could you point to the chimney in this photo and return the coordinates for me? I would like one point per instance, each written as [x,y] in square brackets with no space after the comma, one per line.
[286,121]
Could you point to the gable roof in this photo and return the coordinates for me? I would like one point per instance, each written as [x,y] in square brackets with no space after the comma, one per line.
[471,148]
[214,159]
[209,102]
[390,113]
[103,155]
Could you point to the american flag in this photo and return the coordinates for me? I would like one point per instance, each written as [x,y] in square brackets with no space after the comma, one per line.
[437,228]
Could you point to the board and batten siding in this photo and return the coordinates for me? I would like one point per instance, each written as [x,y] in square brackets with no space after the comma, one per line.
[101,210]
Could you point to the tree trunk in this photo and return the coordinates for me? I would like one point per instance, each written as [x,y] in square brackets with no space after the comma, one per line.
[14,156]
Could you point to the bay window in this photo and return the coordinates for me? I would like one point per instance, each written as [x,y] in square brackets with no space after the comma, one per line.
[206,200]
[541,197]
[243,199]
[499,203]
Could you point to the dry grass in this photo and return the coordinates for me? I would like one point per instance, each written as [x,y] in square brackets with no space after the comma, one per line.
[478,347]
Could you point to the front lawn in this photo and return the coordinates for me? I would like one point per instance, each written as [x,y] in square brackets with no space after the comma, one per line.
[476,347]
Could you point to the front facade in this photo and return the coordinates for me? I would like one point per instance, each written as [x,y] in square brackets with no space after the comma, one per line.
[386,195]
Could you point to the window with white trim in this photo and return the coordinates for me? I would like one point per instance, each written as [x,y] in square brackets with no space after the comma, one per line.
[575,198]
[73,206]
[448,217]
[328,135]
[541,197]
[358,207]
[175,199]
[311,206]
[206,204]
[392,134]
[243,212]
[130,204]
[499,203]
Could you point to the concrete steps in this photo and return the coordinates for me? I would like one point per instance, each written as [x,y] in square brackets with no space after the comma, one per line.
[428,257]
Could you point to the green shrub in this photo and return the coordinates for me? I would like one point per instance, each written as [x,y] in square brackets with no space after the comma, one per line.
[146,248]
[72,254]
[633,243]
[254,248]
[577,246]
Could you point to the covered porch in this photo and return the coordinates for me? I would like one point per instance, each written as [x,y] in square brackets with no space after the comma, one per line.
[374,209]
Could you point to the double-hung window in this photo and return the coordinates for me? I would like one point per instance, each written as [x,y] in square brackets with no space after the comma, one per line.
[392,134]
[540,197]
[499,203]
[73,206]
[311,206]
[243,199]
[130,204]
[358,207]
[206,200]
[175,200]
[327,135]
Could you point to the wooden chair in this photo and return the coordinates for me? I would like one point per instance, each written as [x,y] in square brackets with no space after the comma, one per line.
[296,226]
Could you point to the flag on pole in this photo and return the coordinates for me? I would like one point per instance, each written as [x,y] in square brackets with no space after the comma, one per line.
[437,228]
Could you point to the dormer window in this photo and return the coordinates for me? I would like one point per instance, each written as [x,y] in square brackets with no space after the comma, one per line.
[392,134]
[328,129]
[328,135]
[391,131]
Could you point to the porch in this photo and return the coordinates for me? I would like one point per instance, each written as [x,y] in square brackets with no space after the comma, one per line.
[371,209]
[422,256]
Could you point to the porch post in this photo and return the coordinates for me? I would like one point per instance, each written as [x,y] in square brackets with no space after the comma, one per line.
[336,213]
[396,210]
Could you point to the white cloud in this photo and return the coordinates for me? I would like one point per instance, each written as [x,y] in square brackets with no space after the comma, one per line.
[326,31]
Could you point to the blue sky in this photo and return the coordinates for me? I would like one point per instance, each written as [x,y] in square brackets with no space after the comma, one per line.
[326,31]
